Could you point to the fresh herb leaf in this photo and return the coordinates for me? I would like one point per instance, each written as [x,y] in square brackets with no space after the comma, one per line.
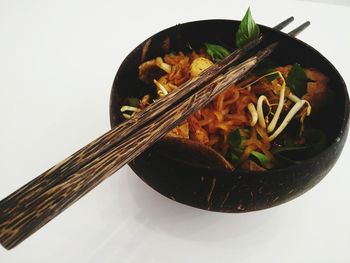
[132,101]
[234,139]
[297,80]
[216,52]
[247,31]
[262,158]
[315,141]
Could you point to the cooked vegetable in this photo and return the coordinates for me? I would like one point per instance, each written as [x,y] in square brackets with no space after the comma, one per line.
[161,90]
[253,113]
[260,112]
[297,106]
[249,123]
[294,152]
[259,108]
[234,141]
[128,111]
[216,52]
[153,69]
[263,159]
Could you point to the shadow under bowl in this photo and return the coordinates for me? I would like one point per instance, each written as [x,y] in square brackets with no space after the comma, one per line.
[168,166]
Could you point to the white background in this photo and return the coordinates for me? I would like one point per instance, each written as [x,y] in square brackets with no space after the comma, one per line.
[58,60]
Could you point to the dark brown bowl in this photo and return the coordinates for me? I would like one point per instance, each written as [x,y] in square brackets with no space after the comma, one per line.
[189,176]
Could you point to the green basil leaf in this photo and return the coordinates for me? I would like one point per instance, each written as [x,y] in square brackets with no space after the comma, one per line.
[216,52]
[315,141]
[262,158]
[247,31]
[234,139]
[234,152]
[297,80]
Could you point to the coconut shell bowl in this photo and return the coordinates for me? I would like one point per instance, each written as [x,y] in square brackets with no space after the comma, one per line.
[195,175]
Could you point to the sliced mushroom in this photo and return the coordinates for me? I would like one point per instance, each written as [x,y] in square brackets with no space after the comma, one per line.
[153,69]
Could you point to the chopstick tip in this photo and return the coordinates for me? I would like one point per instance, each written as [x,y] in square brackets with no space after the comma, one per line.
[284,23]
[299,29]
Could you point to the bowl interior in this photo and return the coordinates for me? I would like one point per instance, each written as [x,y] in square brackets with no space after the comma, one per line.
[195,34]
[182,180]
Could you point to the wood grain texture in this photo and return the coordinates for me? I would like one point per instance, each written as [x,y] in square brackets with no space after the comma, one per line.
[32,206]
[73,163]
[37,202]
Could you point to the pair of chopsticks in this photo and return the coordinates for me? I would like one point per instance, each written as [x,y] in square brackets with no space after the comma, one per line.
[36,203]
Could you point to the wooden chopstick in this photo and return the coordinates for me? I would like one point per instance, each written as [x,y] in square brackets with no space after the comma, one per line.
[284,23]
[299,29]
[29,208]
[18,222]
[80,158]
[107,141]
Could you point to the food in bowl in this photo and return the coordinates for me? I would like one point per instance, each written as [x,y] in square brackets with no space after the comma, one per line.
[196,175]
[255,125]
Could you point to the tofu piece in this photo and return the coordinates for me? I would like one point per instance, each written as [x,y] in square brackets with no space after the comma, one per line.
[199,65]
[181,131]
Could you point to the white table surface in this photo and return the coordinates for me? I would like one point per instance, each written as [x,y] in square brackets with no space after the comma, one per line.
[58,60]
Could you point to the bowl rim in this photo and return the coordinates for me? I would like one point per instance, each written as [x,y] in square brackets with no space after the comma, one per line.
[346,111]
